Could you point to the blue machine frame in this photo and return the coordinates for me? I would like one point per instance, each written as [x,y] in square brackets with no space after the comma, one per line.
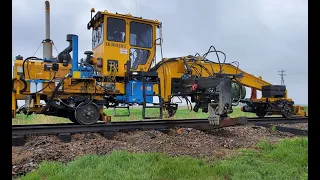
[134,93]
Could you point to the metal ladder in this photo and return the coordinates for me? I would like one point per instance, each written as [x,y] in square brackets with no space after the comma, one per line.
[155,105]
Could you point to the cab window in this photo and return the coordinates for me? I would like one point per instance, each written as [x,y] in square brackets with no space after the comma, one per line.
[138,57]
[116,29]
[140,35]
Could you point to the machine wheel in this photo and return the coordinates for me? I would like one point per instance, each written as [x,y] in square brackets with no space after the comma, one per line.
[87,114]
[287,111]
[261,113]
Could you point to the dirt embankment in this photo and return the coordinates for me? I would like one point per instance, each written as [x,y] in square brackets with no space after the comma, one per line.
[213,144]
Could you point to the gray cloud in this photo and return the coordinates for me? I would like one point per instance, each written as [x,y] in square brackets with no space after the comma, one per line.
[265,36]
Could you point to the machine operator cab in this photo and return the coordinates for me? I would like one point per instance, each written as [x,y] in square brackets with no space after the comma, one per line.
[117,38]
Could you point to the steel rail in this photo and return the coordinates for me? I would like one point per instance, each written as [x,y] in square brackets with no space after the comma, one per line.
[21,130]
[157,120]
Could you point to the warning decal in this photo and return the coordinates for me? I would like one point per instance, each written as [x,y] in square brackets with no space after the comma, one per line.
[123,51]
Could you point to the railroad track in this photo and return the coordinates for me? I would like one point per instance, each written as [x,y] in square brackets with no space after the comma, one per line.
[65,130]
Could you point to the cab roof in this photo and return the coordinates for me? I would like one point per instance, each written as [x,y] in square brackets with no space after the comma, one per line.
[99,15]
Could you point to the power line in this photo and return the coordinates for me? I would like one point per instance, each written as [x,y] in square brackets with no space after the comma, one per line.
[282,75]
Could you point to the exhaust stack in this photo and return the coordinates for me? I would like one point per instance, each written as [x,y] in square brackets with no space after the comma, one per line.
[47,43]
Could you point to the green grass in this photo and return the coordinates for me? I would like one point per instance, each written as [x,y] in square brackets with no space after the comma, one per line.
[38,119]
[182,113]
[135,114]
[286,160]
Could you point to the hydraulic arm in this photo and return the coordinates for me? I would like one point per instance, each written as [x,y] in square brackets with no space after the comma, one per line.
[201,73]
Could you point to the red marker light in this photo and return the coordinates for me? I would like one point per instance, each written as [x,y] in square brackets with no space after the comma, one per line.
[194,87]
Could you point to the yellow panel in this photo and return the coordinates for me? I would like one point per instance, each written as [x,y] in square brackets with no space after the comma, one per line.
[113,52]
[35,70]
[76,74]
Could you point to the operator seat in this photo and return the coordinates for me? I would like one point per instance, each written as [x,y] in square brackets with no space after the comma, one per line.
[117,36]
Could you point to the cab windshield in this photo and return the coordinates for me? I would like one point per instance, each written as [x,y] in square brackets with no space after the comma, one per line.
[140,35]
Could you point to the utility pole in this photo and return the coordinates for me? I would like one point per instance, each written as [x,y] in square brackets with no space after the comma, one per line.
[282,75]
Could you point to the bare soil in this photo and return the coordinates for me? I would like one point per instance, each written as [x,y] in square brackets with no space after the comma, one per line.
[213,144]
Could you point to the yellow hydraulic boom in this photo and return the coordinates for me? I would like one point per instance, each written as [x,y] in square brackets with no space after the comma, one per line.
[274,97]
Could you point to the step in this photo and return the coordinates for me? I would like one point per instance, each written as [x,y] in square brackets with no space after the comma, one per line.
[121,115]
[153,107]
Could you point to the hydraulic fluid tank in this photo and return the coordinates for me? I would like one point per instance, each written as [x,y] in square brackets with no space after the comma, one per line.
[235,91]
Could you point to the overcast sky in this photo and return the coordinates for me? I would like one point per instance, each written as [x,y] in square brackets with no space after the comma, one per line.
[265,36]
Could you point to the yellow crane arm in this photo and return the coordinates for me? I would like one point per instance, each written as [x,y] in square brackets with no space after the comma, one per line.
[248,80]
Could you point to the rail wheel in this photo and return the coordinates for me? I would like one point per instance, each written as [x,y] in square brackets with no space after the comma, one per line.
[287,111]
[87,114]
[261,113]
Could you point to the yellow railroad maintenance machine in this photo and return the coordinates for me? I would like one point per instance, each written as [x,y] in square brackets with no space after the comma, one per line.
[121,69]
